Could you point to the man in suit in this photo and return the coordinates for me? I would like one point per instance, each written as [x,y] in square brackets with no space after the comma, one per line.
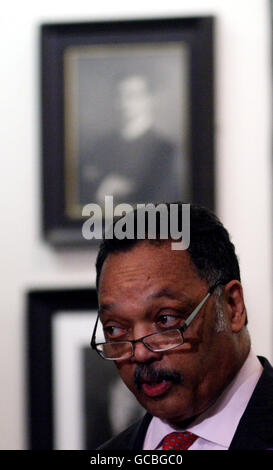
[133,162]
[175,324]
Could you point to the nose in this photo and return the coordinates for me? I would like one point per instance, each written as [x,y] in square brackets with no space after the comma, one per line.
[143,354]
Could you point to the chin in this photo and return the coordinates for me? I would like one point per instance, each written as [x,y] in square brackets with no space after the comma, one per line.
[169,415]
[166,408]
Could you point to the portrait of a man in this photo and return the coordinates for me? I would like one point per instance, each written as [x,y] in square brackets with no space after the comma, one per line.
[134,163]
[127,124]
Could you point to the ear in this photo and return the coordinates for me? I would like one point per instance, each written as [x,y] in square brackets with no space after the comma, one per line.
[234,301]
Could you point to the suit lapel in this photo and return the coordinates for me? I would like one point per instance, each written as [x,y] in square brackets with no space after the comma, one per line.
[139,433]
[255,430]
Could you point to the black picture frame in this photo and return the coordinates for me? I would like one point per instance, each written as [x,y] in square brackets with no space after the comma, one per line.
[73,396]
[196,34]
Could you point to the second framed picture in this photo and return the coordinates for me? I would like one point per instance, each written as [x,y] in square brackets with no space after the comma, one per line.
[74,396]
[127,111]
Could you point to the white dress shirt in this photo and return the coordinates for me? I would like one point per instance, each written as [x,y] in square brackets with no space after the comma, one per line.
[215,427]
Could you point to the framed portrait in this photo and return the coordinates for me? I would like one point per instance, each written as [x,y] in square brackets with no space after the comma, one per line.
[74,396]
[127,112]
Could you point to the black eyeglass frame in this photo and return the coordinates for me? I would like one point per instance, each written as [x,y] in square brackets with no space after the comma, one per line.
[181,330]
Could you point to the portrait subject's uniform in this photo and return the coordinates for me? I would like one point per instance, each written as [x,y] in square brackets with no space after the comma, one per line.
[241,418]
[150,164]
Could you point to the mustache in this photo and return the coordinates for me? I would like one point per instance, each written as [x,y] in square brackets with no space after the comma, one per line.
[146,373]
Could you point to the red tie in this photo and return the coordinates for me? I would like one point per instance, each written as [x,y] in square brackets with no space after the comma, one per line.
[178,440]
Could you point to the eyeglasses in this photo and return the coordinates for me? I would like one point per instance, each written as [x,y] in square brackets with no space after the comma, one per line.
[155,342]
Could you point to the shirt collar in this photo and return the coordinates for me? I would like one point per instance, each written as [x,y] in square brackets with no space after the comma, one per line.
[219,422]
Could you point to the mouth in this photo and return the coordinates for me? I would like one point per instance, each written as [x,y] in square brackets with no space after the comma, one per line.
[156,389]
[155,383]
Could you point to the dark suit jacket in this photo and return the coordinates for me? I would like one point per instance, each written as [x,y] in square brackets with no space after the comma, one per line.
[254,432]
[150,161]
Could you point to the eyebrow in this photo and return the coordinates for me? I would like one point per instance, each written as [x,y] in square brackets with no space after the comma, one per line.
[104,307]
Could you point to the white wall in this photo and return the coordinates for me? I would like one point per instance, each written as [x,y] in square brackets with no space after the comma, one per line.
[243,91]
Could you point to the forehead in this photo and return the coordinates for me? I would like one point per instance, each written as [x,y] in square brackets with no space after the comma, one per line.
[147,267]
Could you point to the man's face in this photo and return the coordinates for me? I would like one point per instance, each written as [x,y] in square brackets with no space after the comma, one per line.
[150,288]
[133,99]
